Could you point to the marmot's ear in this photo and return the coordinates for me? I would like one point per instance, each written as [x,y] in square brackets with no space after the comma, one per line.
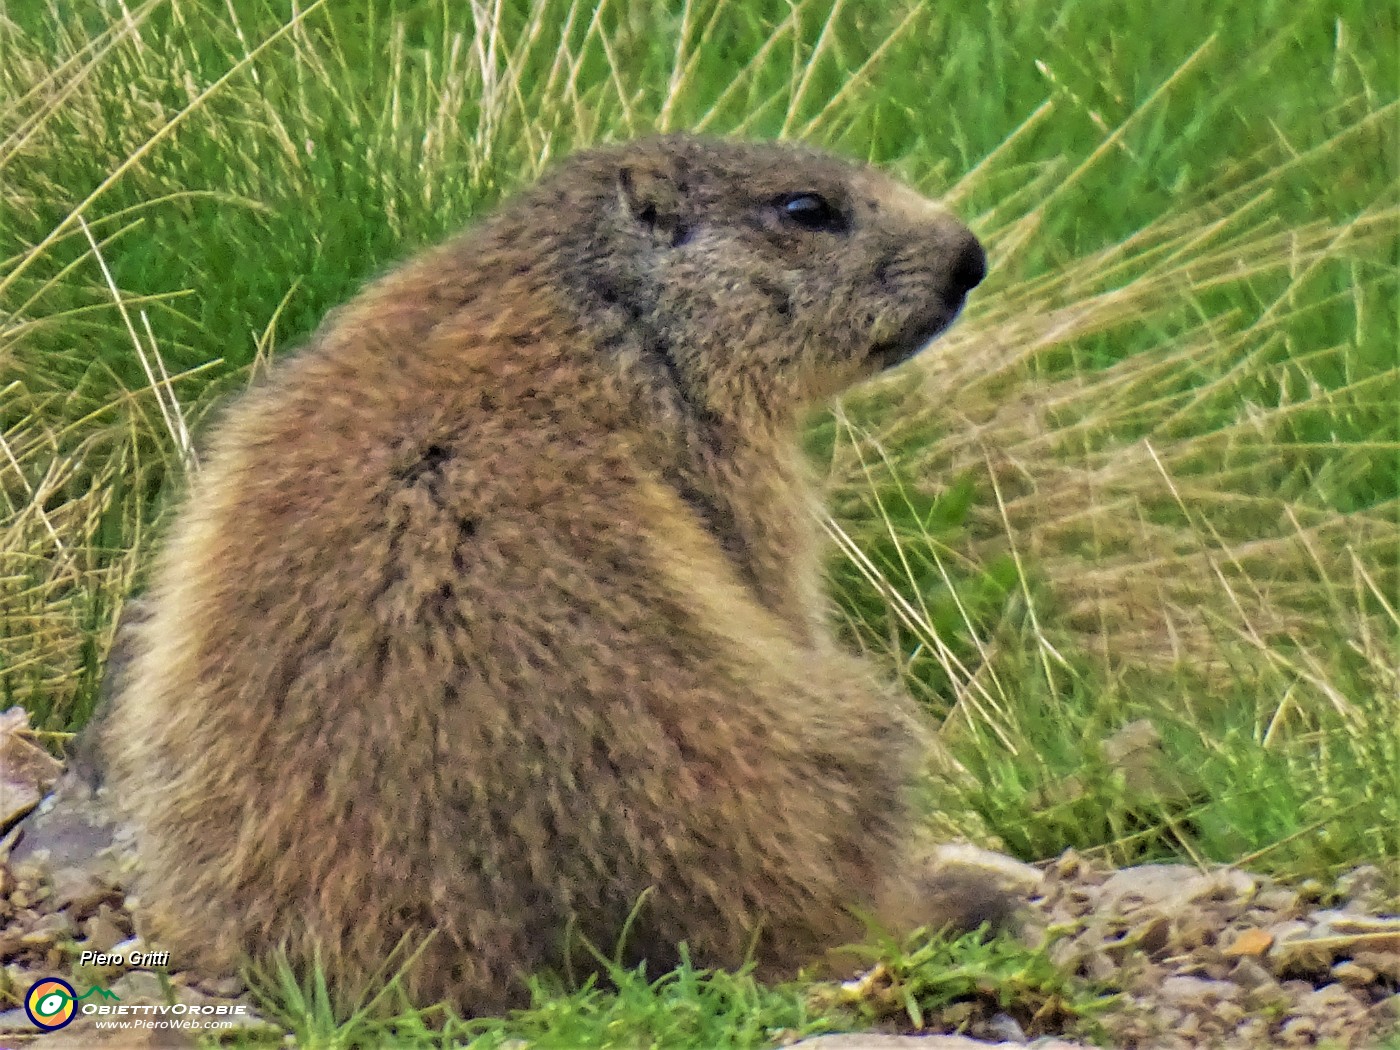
[653,197]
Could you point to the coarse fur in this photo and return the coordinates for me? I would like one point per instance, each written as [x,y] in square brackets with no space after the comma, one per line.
[497,608]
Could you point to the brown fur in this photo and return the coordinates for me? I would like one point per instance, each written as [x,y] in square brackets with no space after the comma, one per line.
[499,604]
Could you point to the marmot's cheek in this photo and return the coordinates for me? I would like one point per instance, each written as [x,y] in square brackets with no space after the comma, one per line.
[835,370]
[894,343]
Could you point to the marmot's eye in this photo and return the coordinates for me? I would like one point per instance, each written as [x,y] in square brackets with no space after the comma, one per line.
[811,211]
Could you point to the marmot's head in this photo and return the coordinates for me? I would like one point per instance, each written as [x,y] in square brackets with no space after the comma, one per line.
[757,277]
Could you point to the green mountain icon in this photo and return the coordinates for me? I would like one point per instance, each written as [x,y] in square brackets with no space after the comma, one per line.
[94,990]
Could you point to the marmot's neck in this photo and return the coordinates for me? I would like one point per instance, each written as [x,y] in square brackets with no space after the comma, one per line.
[751,492]
[739,469]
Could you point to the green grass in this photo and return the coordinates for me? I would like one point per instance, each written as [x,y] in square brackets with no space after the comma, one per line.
[1154,473]
[921,981]
[685,1009]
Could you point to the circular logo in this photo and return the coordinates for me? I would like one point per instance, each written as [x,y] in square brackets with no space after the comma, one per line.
[49,1003]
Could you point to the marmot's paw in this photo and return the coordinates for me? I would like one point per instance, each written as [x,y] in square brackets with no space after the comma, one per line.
[964,886]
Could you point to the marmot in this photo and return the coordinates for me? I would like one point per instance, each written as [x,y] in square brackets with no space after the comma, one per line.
[496,609]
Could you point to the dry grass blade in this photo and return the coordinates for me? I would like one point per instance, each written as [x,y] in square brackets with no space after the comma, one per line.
[164,132]
[1136,486]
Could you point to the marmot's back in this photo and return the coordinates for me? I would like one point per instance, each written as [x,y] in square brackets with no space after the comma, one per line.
[497,607]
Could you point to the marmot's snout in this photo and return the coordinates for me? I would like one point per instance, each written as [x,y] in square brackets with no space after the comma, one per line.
[970,267]
[958,259]
[943,269]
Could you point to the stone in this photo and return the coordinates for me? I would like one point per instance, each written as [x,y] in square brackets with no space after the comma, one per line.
[1169,887]
[1197,992]
[1252,942]
[27,771]
[1385,963]
[1364,884]
[1351,973]
[103,933]
[1248,974]
[140,985]
[874,1041]
[1277,899]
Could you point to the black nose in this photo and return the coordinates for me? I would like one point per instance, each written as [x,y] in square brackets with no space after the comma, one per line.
[971,266]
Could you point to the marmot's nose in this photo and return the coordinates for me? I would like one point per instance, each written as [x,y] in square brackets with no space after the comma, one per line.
[970,266]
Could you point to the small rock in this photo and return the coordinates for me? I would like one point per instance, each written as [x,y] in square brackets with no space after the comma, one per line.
[1228,1014]
[1252,942]
[1303,959]
[1192,930]
[1084,898]
[875,1041]
[1299,1031]
[1336,1011]
[1333,923]
[1007,1029]
[224,988]
[67,842]
[1154,936]
[1213,969]
[1329,999]
[1169,1018]
[1067,954]
[1292,930]
[1271,996]
[1253,1031]
[38,939]
[1353,974]
[1192,992]
[1387,1011]
[1363,885]
[55,923]
[1277,899]
[103,933]
[1248,974]
[1312,890]
[1385,963]
[27,771]
[1169,887]
[140,985]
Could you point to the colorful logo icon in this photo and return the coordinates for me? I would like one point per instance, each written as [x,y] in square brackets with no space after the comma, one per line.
[50,1003]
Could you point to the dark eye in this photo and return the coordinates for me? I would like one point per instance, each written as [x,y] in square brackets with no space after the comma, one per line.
[811,211]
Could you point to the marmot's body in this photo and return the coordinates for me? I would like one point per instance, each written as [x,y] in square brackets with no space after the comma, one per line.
[499,606]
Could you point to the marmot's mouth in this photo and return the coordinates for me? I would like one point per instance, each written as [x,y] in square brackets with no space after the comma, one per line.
[917,334]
